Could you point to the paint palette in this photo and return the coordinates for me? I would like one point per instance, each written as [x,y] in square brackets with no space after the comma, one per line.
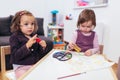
[62,55]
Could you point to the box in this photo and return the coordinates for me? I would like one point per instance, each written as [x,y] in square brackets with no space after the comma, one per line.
[59,46]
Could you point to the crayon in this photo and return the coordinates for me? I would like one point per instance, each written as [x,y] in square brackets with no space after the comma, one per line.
[76,48]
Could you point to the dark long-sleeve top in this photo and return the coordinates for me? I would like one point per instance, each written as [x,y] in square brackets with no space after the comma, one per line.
[20,54]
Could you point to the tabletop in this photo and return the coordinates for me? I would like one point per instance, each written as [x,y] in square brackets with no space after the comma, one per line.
[77,68]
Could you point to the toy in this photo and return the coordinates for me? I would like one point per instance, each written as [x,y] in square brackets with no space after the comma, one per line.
[38,40]
[56,39]
[69,17]
[76,48]
[54,12]
[82,2]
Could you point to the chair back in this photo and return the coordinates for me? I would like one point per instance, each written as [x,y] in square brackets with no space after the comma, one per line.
[118,71]
[4,50]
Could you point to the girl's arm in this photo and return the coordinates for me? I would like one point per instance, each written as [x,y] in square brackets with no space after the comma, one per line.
[18,51]
[95,45]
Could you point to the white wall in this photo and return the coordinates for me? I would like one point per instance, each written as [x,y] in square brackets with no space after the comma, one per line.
[8,7]
[109,16]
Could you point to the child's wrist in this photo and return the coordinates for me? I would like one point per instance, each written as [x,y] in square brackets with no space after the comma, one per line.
[27,45]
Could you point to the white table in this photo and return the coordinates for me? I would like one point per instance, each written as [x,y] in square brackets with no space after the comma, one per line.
[50,68]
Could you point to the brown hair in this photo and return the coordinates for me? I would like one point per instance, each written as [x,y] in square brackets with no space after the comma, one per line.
[87,15]
[16,20]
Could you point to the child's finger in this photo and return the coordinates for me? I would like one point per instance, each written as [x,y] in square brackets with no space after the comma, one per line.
[88,53]
[34,37]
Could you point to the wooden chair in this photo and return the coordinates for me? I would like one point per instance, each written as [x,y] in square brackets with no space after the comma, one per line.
[101,48]
[118,70]
[6,75]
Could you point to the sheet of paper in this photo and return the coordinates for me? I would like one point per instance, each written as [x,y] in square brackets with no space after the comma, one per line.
[81,63]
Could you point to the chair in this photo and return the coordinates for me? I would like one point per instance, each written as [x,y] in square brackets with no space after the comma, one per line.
[6,75]
[118,71]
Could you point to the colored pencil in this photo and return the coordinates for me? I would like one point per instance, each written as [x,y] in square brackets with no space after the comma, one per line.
[70,75]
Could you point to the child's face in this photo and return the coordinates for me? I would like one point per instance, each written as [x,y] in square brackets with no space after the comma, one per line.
[27,24]
[86,27]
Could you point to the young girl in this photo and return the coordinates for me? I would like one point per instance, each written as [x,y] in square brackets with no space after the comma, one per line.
[25,51]
[84,37]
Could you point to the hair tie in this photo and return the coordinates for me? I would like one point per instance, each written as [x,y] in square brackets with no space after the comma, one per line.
[21,13]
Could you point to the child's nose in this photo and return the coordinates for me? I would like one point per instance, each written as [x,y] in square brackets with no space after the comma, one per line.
[30,26]
[85,28]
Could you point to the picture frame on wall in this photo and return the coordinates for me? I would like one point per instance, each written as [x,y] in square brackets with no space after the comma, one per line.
[90,3]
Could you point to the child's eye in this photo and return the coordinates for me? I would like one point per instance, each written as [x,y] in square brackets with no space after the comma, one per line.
[83,26]
[88,26]
[32,24]
[26,24]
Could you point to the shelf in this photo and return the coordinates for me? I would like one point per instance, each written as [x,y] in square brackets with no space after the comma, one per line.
[91,6]
[56,33]
[55,27]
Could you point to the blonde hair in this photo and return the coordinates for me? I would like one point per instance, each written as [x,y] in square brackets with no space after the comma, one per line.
[87,15]
[16,20]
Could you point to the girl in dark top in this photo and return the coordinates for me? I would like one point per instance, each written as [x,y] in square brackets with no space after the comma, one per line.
[25,50]
[84,37]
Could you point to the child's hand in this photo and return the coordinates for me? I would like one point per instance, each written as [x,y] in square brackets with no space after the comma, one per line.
[88,52]
[43,43]
[71,46]
[31,41]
